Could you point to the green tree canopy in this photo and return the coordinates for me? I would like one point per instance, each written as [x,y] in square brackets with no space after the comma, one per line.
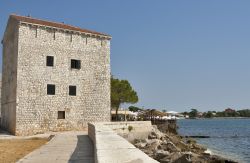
[122,92]
[208,114]
[244,113]
[134,108]
[193,113]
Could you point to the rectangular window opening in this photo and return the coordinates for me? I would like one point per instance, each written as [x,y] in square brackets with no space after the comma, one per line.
[75,64]
[50,61]
[72,90]
[61,115]
[51,88]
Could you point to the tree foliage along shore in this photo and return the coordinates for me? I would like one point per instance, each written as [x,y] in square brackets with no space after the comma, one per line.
[226,113]
[134,109]
[122,92]
[193,113]
[239,113]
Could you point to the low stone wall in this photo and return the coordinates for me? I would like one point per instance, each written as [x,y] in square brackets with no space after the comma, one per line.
[166,126]
[113,148]
[131,130]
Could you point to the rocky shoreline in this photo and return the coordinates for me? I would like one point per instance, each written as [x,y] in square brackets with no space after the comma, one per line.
[172,148]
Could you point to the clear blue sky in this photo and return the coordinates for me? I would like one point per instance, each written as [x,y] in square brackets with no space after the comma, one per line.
[176,54]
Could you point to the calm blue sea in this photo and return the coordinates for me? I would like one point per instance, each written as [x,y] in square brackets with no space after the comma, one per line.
[229,137]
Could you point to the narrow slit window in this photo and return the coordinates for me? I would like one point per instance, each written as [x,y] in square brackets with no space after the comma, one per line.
[50,61]
[54,34]
[61,115]
[72,90]
[36,32]
[71,38]
[51,89]
[75,64]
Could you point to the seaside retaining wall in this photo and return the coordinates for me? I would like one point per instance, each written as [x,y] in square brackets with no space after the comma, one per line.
[138,129]
[113,148]
[169,126]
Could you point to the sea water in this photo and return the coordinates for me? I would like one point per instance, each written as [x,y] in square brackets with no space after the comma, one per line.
[229,138]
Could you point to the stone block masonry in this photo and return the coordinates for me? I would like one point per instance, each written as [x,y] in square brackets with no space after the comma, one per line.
[27,108]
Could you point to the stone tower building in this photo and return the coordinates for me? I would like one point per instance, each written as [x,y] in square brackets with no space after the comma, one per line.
[55,76]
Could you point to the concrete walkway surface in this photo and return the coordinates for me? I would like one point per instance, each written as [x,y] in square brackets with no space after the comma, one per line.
[4,135]
[66,147]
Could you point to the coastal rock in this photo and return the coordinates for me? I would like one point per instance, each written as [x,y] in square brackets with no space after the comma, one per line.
[197,148]
[171,157]
[137,141]
[184,158]
[149,153]
[152,135]
[169,146]
[184,147]
[190,141]
[153,145]
[155,134]
[218,159]
[152,141]
[140,144]
[159,154]
[179,157]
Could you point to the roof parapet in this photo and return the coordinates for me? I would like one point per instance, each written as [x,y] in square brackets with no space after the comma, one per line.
[59,26]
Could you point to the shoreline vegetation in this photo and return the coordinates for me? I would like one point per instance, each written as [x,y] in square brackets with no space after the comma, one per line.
[227,113]
[219,118]
[167,147]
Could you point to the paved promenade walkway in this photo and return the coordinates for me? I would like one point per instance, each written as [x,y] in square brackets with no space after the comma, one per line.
[66,147]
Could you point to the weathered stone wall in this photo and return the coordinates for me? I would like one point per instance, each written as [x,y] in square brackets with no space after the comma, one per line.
[37,112]
[9,77]
[169,126]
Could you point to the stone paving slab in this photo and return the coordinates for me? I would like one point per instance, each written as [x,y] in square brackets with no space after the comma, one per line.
[66,147]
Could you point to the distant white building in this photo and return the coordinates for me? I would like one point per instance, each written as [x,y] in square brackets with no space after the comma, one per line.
[173,115]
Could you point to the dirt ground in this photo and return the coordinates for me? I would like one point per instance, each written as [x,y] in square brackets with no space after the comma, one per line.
[14,149]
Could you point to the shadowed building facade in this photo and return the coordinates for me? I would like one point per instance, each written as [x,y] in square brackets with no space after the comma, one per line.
[55,77]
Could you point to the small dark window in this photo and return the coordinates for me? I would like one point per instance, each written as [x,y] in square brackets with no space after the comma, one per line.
[51,89]
[72,90]
[76,64]
[50,61]
[61,115]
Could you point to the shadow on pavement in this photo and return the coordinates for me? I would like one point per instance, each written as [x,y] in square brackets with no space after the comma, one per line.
[84,151]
